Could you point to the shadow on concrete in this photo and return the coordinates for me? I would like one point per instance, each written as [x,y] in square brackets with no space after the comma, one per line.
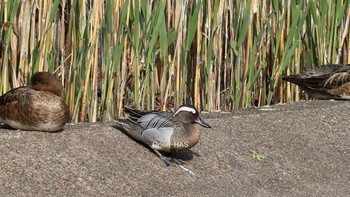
[304,146]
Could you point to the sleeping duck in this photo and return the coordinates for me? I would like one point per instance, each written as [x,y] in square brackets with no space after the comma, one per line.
[331,81]
[40,106]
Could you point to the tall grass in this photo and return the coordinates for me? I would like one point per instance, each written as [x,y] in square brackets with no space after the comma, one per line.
[216,55]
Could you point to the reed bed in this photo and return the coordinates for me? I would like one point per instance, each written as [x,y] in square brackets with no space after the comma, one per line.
[216,55]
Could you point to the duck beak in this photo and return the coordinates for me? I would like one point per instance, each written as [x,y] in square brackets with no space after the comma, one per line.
[202,123]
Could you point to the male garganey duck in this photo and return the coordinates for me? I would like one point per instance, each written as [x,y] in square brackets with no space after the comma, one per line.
[164,131]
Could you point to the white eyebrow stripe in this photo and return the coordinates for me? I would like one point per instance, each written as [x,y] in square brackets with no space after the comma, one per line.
[184,108]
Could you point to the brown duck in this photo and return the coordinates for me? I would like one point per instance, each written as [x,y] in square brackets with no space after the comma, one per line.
[40,106]
[331,81]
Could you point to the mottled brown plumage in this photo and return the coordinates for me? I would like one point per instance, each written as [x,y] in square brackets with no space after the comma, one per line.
[330,81]
[40,106]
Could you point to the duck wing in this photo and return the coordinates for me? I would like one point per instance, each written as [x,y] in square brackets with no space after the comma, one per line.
[327,76]
[151,127]
[134,114]
[149,119]
[155,120]
[11,102]
[13,95]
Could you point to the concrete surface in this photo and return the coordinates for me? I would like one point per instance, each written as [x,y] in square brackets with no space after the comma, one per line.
[305,145]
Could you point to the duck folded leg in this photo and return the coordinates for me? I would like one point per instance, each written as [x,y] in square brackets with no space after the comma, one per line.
[166,160]
[176,160]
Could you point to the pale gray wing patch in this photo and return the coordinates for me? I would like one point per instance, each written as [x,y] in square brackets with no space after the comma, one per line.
[158,137]
[154,120]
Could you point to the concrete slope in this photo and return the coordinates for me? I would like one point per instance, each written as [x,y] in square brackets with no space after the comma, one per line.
[305,148]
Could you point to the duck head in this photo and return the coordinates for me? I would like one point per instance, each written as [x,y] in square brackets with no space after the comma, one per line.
[45,81]
[188,115]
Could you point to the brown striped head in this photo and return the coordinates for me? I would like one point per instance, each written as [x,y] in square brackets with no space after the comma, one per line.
[188,115]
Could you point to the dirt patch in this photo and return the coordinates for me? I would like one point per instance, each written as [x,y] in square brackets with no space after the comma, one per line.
[305,149]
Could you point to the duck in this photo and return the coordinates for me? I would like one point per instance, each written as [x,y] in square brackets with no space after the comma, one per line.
[163,131]
[39,106]
[331,81]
